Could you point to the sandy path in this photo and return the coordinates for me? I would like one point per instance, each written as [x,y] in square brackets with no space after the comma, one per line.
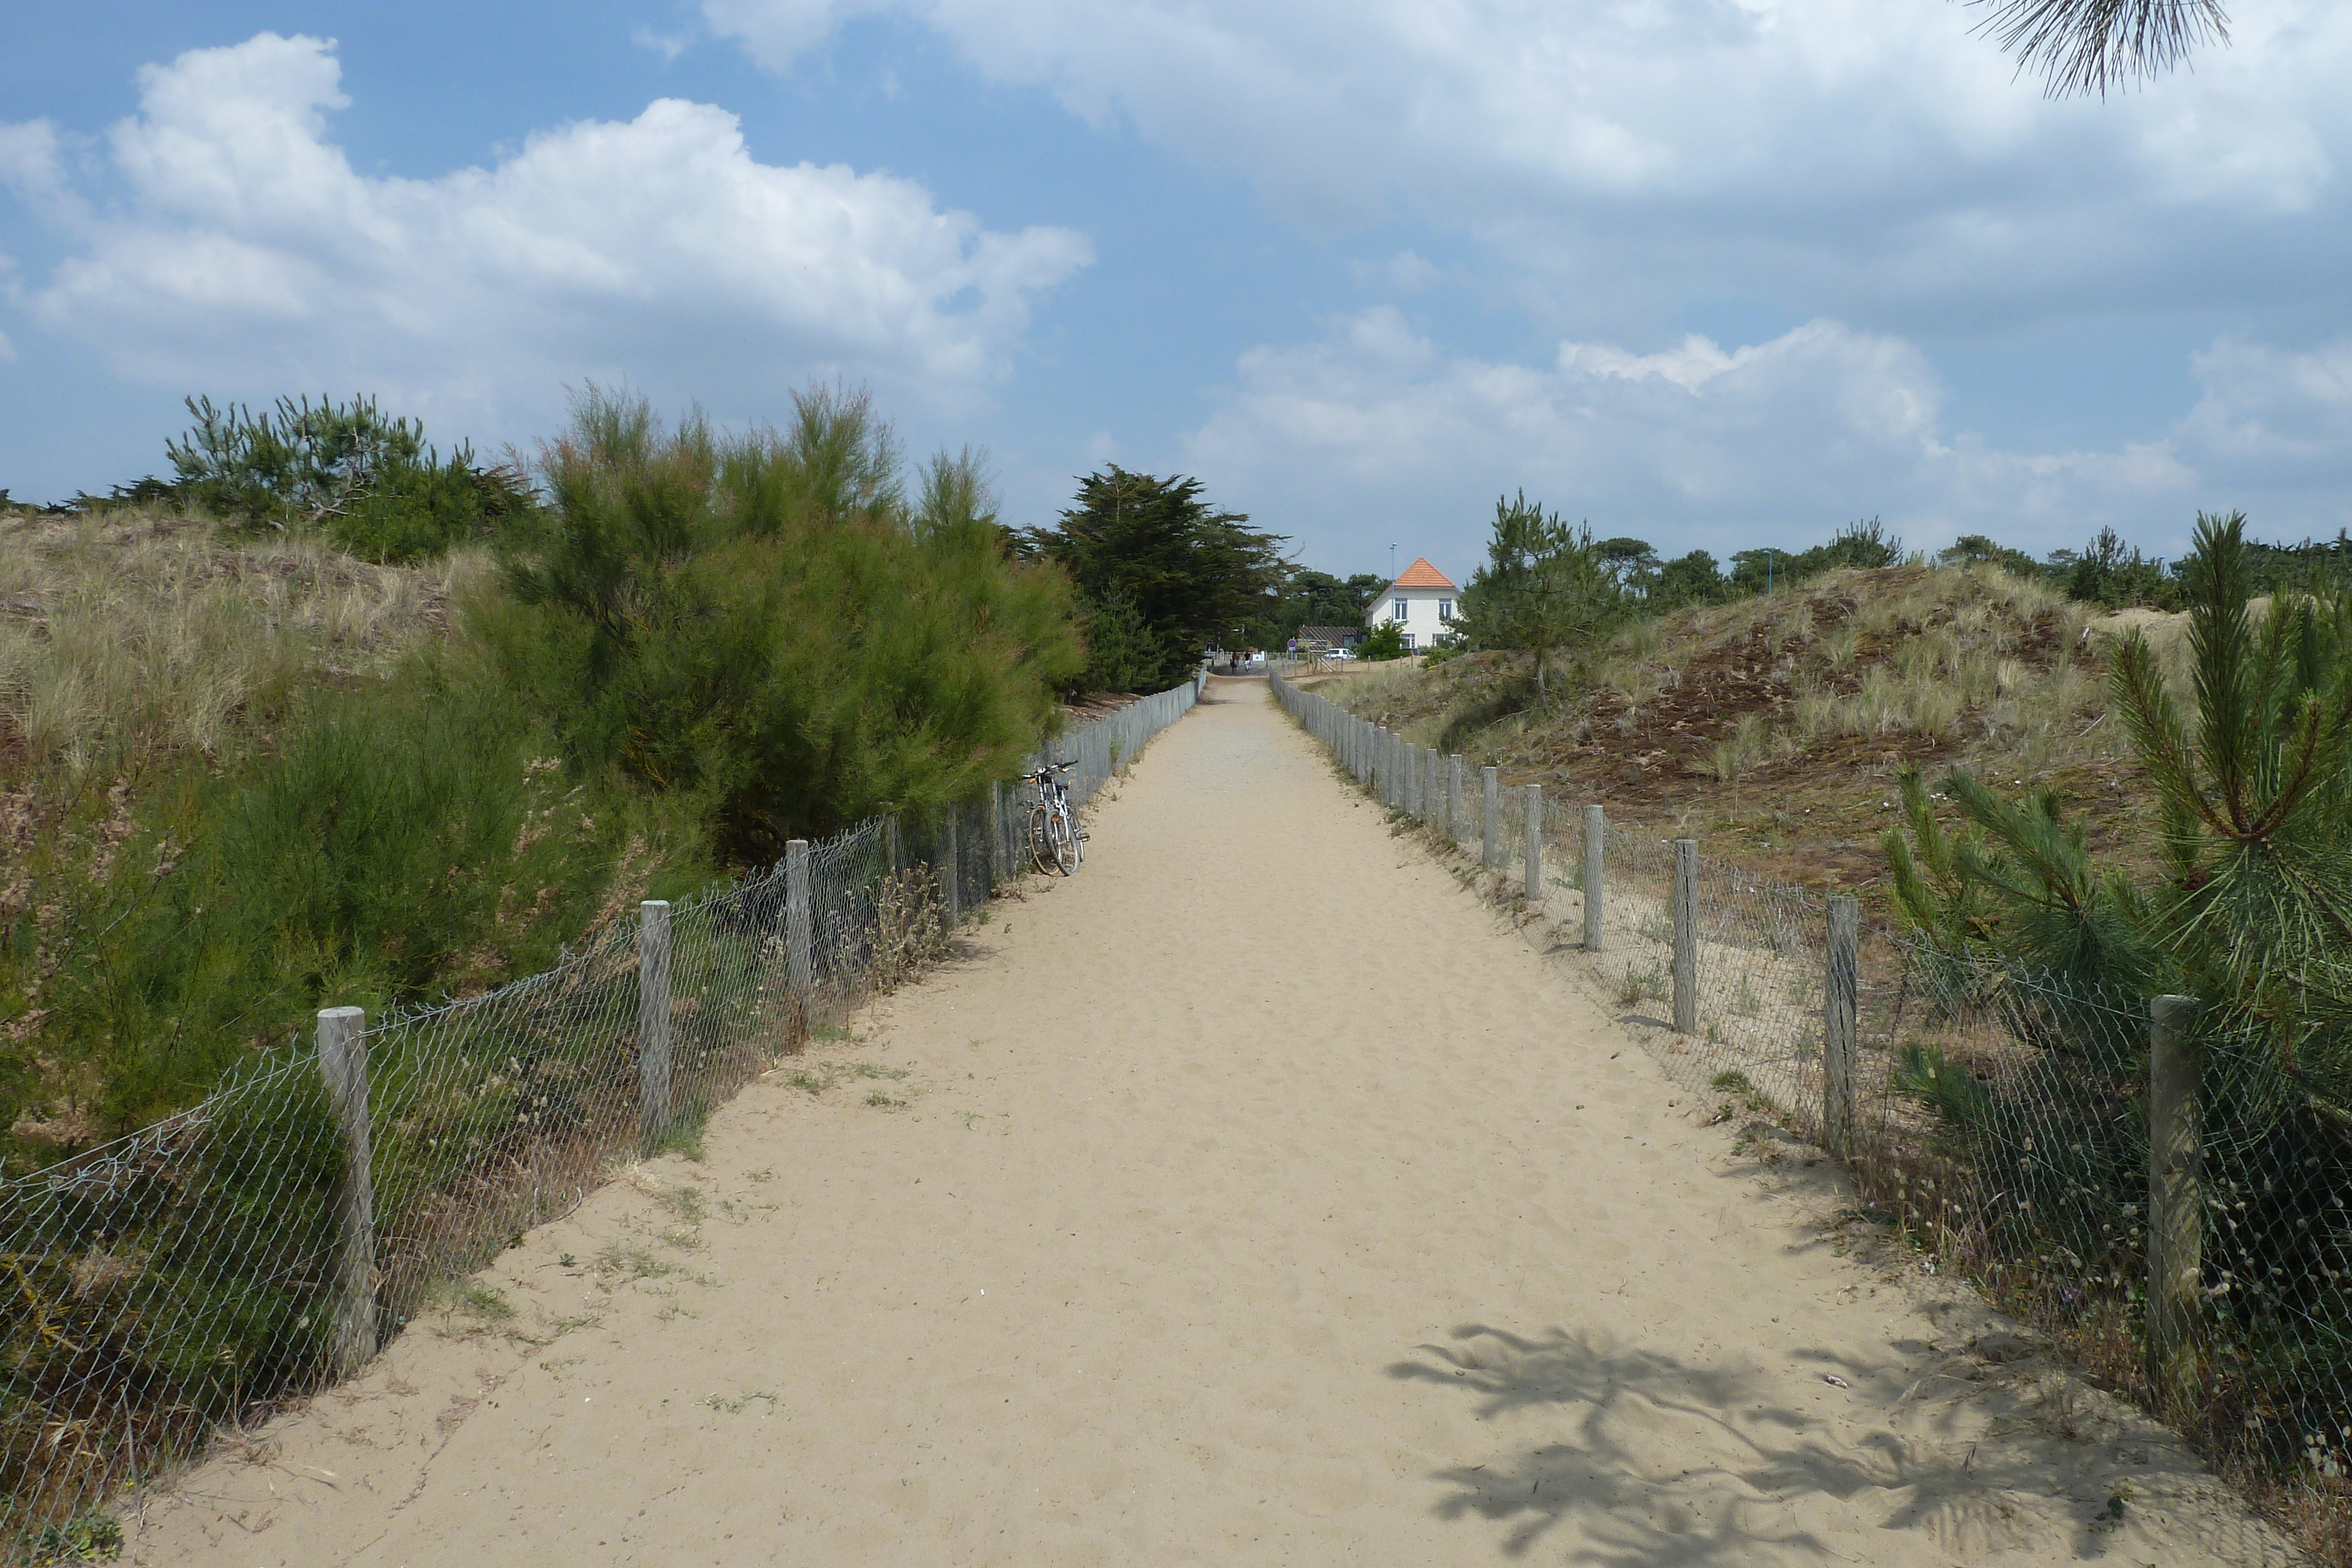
[1323,1249]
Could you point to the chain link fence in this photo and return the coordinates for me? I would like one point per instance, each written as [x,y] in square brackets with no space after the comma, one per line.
[264,1243]
[2168,1208]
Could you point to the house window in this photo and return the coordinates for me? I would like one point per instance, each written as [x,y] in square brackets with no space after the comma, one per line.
[1445,609]
[1408,642]
[1397,610]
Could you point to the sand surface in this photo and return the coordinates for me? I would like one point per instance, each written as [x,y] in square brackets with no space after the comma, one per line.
[1256,1195]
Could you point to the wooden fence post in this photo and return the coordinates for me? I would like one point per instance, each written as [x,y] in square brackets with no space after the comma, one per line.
[2176,1207]
[996,835]
[1535,888]
[653,1023]
[1453,799]
[1686,935]
[1490,851]
[342,1061]
[1596,843]
[799,945]
[1840,1004]
[951,873]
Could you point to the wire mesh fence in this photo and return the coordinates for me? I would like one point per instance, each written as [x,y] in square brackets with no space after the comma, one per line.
[2173,1217]
[262,1244]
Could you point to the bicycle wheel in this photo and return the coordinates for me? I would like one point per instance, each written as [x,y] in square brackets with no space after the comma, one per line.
[1066,843]
[1041,837]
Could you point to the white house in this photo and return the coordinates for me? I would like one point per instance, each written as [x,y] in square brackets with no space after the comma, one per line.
[1417,604]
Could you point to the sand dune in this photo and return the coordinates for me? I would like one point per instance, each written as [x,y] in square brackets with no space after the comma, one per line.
[1253,1196]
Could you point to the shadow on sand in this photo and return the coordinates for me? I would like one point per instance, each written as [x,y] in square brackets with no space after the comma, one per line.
[1660,1461]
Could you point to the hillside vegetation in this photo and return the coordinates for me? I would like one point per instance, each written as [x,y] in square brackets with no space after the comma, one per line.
[235,778]
[246,772]
[1774,728]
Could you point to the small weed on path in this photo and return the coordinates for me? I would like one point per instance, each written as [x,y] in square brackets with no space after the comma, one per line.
[739,1402]
[638,1263]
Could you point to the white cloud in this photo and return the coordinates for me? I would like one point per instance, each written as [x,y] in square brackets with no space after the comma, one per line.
[668,45]
[32,168]
[2269,407]
[29,157]
[1848,154]
[1374,429]
[244,251]
[1402,273]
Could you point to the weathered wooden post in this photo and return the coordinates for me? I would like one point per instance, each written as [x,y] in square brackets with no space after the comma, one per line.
[1433,793]
[800,948]
[1686,935]
[996,835]
[1453,799]
[653,1023]
[1491,783]
[2175,1205]
[1535,888]
[1840,1006]
[342,1063]
[951,872]
[1596,843]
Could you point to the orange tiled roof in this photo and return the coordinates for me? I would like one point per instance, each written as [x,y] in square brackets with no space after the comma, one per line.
[1421,574]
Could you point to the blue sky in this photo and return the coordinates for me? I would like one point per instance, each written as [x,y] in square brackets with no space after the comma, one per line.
[1716,273]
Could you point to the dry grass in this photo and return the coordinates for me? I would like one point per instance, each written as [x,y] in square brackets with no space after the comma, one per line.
[1775,726]
[134,635]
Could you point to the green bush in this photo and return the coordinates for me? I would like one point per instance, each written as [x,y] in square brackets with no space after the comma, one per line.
[1121,654]
[765,629]
[405,842]
[367,480]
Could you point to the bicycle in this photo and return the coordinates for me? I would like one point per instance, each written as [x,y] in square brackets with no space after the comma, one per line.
[1055,841]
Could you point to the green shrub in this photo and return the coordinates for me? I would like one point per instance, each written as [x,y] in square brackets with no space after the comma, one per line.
[367,480]
[763,627]
[405,841]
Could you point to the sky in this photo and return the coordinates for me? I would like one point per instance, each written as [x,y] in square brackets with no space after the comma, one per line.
[1712,273]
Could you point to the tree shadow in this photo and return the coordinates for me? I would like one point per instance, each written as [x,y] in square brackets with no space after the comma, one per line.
[1666,1462]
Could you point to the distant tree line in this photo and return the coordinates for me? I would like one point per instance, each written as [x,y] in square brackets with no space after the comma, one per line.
[1547,586]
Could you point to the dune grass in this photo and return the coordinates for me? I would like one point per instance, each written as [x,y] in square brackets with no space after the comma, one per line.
[1782,720]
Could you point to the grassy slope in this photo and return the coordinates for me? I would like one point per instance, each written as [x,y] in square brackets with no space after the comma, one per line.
[137,651]
[1773,729]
